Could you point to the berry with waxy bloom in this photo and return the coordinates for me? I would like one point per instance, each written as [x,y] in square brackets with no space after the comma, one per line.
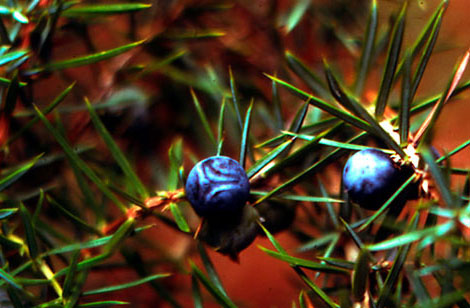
[371,177]
[217,185]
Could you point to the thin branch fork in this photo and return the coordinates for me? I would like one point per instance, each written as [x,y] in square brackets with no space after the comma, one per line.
[162,200]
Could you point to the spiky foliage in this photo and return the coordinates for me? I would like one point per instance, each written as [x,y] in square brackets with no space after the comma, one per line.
[105,105]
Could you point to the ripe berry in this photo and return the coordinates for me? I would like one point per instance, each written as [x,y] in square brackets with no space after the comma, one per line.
[217,185]
[371,177]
